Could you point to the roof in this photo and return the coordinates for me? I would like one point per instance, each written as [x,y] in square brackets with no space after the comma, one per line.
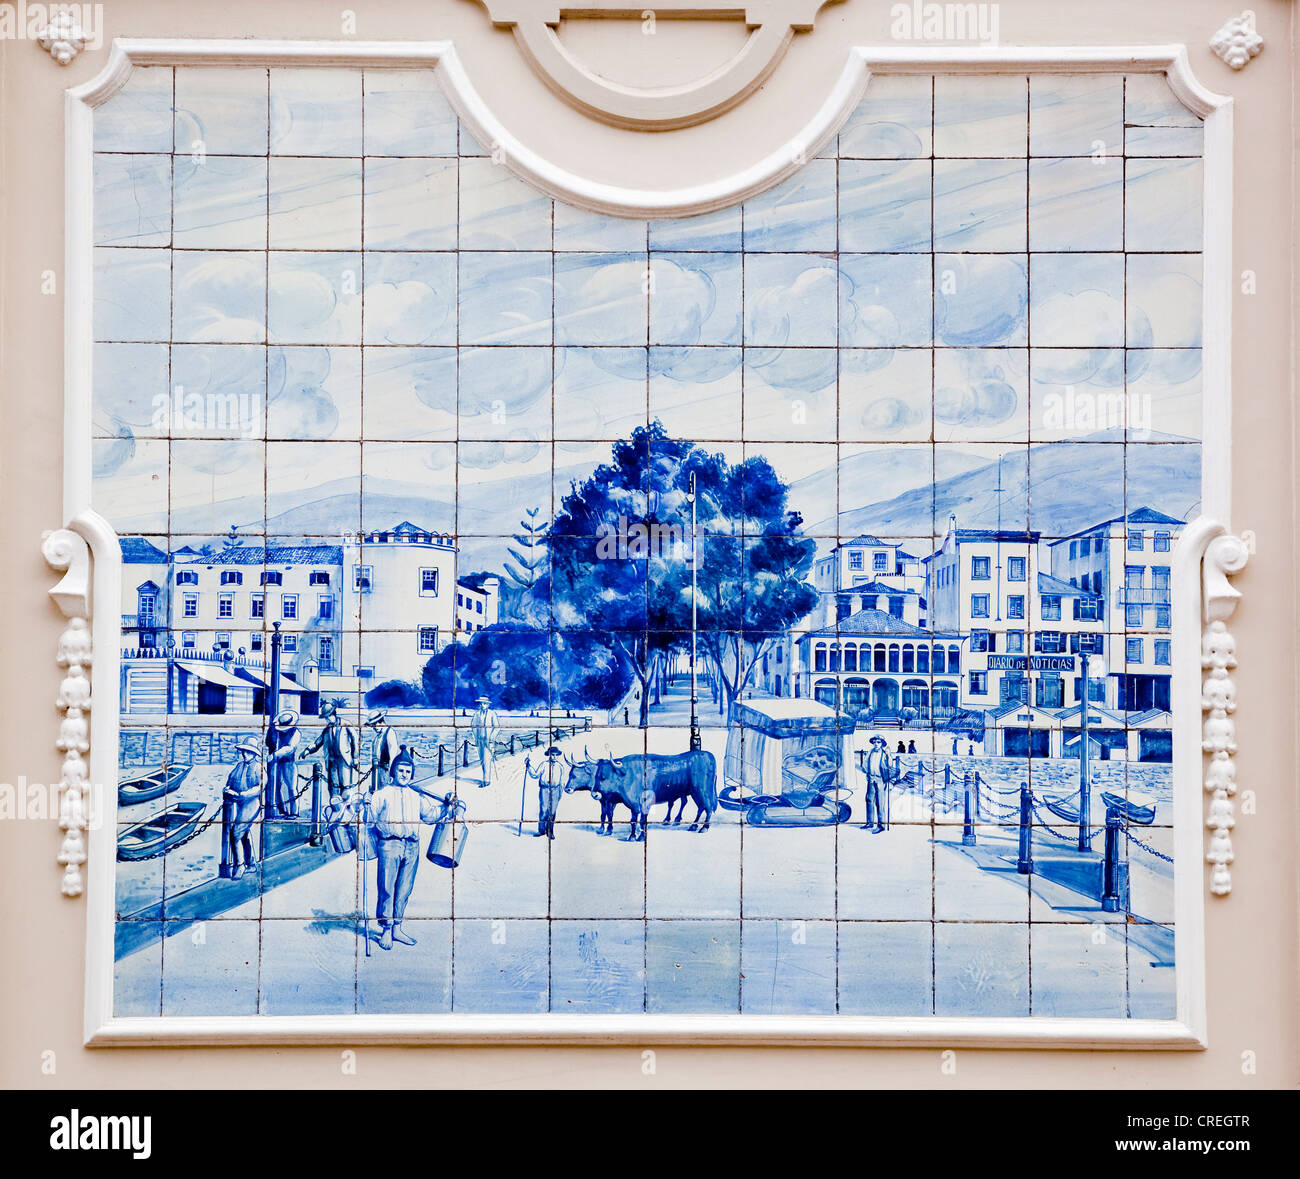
[1002,534]
[286,554]
[875,586]
[1047,584]
[138,551]
[1143,515]
[881,622]
[866,538]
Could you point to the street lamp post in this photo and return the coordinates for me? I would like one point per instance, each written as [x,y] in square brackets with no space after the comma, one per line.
[695,723]
[1085,790]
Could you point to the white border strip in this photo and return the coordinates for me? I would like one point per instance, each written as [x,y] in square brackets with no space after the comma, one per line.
[1187,1030]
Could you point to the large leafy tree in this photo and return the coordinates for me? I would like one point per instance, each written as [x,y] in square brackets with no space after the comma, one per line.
[621,553]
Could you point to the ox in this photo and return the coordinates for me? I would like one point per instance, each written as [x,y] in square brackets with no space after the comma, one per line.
[642,780]
[582,776]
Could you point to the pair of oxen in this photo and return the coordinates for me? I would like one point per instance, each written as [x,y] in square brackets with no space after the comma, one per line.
[640,781]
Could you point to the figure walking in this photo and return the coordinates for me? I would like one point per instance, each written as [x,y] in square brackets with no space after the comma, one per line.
[385,750]
[241,803]
[282,742]
[484,727]
[339,744]
[550,785]
[394,813]
[875,767]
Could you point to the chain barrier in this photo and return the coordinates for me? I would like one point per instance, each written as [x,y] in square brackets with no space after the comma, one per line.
[1146,847]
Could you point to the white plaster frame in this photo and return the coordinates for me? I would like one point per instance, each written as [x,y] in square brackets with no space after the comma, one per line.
[1186,1031]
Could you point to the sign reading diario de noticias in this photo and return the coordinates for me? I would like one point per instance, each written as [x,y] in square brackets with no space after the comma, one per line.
[1031,663]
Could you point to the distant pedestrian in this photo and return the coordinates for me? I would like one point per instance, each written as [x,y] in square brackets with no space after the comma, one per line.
[911,747]
[241,803]
[485,728]
[550,784]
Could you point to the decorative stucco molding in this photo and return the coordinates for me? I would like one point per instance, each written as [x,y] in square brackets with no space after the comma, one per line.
[63,38]
[67,550]
[1224,555]
[773,24]
[1237,42]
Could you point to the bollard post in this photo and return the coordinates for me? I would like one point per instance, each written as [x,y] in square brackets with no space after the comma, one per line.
[947,786]
[315,838]
[1025,858]
[1110,898]
[979,784]
[465,763]
[968,827]
[440,751]
[512,743]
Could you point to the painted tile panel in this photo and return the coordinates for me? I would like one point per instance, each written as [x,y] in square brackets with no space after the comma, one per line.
[429,486]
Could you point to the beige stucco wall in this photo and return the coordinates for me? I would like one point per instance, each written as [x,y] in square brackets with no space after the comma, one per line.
[1251,936]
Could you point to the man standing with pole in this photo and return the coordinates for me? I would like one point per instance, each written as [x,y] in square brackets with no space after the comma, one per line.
[695,720]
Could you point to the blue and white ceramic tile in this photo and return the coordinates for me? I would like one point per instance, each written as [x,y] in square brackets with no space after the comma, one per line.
[133,195]
[894,122]
[695,298]
[886,394]
[1076,204]
[1164,300]
[1076,115]
[790,394]
[354,377]
[884,206]
[222,111]
[407,114]
[315,204]
[1162,204]
[132,294]
[409,393]
[139,119]
[315,112]
[410,298]
[886,300]
[220,202]
[219,297]
[314,298]
[599,392]
[981,116]
[979,205]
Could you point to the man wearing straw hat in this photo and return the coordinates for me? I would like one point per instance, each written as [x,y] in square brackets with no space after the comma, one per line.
[485,728]
[394,813]
[385,750]
[241,803]
[550,784]
[876,767]
[282,741]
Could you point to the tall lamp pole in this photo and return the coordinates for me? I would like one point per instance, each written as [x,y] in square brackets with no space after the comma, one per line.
[1085,791]
[695,723]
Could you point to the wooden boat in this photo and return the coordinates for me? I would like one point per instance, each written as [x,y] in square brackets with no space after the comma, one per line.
[151,784]
[158,835]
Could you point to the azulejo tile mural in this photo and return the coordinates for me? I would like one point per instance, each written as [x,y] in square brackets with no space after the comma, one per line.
[532,611]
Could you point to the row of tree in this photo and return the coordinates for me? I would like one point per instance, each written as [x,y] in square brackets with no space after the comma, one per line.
[603,596]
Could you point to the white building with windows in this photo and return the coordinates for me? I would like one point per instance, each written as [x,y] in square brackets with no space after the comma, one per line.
[373,609]
[1127,562]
